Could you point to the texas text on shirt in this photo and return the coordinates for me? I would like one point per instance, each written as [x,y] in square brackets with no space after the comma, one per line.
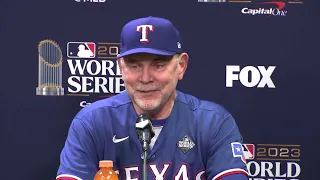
[199,140]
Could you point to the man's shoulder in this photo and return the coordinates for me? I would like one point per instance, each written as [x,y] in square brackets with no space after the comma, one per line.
[111,103]
[204,116]
[196,104]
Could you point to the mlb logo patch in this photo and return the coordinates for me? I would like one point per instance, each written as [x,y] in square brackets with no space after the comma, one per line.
[248,151]
[81,49]
[237,151]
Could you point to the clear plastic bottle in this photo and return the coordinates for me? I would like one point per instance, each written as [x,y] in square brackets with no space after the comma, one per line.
[106,171]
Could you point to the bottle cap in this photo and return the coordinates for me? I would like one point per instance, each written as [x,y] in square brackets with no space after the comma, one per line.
[106,163]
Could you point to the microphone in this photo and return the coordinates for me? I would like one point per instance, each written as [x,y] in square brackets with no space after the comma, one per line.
[145,133]
[144,130]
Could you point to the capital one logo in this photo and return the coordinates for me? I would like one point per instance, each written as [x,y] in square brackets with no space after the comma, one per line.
[260,76]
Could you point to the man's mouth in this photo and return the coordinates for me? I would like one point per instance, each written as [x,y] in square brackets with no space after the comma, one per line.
[147,92]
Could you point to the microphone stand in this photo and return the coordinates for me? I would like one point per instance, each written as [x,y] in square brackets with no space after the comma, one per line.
[145,160]
[145,133]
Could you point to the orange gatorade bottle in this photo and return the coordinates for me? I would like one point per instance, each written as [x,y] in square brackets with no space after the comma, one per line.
[106,171]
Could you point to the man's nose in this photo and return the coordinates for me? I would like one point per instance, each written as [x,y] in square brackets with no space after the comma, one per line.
[146,75]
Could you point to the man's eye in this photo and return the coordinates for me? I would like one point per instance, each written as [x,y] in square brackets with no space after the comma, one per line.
[159,65]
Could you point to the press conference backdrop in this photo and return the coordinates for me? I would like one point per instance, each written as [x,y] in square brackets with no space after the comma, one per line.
[259,59]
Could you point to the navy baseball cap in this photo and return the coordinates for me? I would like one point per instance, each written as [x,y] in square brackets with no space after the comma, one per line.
[152,35]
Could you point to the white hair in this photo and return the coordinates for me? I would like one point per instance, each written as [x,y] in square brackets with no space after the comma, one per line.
[176,56]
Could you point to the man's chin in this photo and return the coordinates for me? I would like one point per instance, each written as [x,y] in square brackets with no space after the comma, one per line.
[148,106]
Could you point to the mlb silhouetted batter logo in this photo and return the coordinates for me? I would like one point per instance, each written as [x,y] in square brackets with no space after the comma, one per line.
[248,151]
[81,49]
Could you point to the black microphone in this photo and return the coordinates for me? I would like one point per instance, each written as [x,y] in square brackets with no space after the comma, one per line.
[145,133]
[144,130]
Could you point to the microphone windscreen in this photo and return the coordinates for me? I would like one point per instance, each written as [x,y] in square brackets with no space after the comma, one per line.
[143,117]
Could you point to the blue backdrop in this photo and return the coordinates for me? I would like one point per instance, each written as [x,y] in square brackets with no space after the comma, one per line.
[259,59]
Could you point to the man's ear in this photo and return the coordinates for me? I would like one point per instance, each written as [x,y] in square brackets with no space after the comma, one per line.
[119,61]
[183,64]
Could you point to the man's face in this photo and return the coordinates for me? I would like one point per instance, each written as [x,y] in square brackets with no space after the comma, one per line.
[150,80]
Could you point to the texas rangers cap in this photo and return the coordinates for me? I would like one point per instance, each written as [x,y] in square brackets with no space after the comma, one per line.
[152,35]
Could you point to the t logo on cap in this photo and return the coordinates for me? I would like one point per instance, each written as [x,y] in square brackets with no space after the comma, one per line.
[144,30]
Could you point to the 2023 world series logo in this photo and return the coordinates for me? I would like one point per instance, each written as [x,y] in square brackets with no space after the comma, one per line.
[273,161]
[92,69]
